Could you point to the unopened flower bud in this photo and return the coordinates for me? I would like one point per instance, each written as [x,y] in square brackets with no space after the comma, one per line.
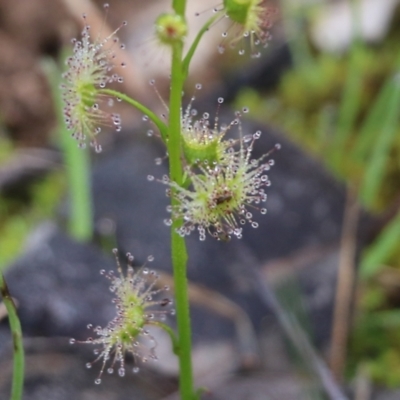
[171,29]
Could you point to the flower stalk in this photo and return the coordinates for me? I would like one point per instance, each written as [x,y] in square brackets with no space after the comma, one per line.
[178,245]
[139,106]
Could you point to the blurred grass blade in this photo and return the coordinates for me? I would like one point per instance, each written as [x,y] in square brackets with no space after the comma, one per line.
[387,318]
[383,247]
[15,327]
[373,121]
[349,107]
[375,168]
[76,163]
[294,17]
[352,94]
[297,336]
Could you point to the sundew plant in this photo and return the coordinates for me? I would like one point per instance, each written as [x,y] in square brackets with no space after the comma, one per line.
[214,184]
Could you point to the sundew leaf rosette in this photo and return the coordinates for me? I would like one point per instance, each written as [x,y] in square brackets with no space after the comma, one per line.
[251,20]
[136,307]
[202,142]
[88,72]
[250,24]
[222,197]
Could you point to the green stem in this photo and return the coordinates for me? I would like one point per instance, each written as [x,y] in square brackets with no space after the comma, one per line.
[172,336]
[178,246]
[179,6]
[15,327]
[179,261]
[77,166]
[193,47]
[156,120]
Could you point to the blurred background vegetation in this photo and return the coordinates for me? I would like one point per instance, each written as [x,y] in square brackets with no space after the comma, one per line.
[343,108]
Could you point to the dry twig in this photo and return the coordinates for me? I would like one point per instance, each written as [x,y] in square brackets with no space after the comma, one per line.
[345,286]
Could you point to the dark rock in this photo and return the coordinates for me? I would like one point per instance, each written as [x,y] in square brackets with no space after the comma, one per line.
[55,371]
[58,286]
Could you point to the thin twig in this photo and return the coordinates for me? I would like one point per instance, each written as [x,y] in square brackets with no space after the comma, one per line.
[345,286]
[297,337]
[363,385]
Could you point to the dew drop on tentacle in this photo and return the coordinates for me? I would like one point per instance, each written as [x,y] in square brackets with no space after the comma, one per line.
[257,135]
[247,138]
